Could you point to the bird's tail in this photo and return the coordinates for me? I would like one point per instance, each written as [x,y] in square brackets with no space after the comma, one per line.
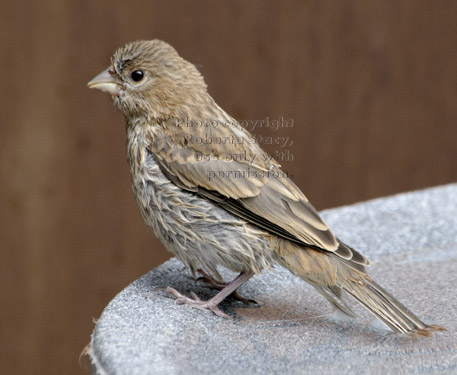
[330,274]
[386,308]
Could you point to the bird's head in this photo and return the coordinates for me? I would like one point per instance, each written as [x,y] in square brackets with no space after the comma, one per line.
[149,79]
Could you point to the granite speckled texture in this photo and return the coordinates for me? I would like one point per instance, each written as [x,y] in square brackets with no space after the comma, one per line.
[411,240]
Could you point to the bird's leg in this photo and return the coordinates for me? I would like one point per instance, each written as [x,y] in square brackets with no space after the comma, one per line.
[212,303]
[219,285]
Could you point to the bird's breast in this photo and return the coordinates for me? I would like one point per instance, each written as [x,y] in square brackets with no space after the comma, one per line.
[198,232]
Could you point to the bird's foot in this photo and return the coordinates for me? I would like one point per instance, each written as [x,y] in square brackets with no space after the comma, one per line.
[219,285]
[196,302]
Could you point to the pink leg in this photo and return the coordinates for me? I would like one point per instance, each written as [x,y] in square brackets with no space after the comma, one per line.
[212,303]
[219,285]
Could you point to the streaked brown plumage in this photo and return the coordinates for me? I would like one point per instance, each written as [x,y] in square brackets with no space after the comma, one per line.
[212,207]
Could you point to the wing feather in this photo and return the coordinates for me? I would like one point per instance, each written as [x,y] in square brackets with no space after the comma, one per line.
[251,188]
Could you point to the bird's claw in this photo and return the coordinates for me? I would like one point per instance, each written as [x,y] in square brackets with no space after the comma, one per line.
[196,302]
[219,285]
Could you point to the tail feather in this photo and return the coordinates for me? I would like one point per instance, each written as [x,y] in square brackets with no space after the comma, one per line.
[387,309]
[330,274]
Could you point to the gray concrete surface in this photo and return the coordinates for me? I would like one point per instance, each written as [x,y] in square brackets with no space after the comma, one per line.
[411,240]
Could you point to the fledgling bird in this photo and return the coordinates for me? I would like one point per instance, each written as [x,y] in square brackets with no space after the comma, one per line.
[213,207]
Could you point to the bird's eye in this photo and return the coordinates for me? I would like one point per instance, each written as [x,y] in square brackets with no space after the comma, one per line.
[137,75]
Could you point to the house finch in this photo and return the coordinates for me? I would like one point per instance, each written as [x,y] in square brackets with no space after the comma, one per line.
[212,197]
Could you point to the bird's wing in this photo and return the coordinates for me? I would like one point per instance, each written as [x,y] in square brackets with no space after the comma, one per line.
[235,173]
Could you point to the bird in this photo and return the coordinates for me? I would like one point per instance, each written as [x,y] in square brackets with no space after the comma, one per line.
[204,185]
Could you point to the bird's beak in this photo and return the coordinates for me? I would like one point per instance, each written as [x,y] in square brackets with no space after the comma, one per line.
[107,82]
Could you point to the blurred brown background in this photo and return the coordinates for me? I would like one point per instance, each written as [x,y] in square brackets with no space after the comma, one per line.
[371,87]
